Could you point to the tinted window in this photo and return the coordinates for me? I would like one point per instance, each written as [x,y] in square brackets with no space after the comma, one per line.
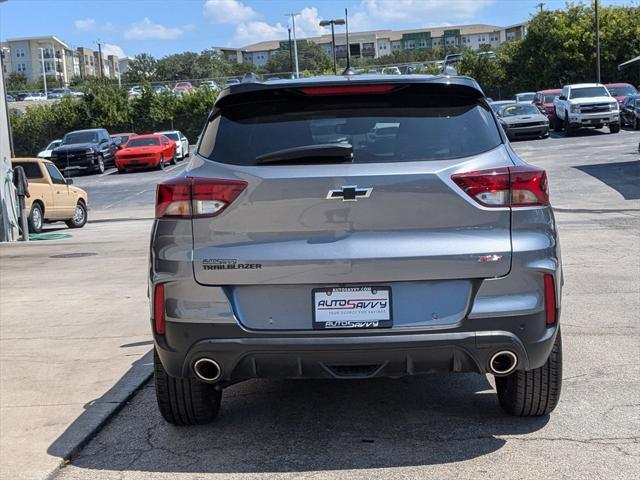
[80,137]
[550,98]
[173,136]
[519,109]
[525,97]
[31,169]
[54,144]
[143,142]
[587,92]
[56,176]
[379,130]
[622,91]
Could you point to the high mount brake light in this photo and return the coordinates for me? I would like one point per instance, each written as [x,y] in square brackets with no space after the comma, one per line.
[521,186]
[348,89]
[187,197]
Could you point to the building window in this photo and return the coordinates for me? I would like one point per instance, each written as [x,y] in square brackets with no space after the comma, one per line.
[410,44]
[19,52]
[422,43]
[511,36]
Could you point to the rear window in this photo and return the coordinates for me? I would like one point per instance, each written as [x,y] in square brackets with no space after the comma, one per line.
[397,128]
[31,169]
[551,98]
[143,142]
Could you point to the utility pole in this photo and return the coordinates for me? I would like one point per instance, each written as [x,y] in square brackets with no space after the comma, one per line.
[295,42]
[540,5]
[44,72]
[290,53]
[597,42]
[100,66]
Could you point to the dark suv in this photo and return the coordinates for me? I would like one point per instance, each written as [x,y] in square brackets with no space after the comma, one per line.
[356,227]
[85,150]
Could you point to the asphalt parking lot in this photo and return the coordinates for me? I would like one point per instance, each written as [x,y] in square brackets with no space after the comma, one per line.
[431,427]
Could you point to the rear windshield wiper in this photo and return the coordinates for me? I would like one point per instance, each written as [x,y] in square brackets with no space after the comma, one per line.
[323,153]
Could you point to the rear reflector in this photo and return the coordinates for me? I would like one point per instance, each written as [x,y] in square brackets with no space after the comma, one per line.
[521,186]
[348,89]
[549,299]
[187,197]
[158,308]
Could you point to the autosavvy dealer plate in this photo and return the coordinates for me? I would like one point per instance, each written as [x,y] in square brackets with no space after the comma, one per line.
[352,307]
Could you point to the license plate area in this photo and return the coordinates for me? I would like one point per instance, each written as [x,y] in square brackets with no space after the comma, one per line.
[351,307]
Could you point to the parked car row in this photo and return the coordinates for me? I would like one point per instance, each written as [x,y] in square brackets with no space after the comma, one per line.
[568,109]
[93,150]
[53,94]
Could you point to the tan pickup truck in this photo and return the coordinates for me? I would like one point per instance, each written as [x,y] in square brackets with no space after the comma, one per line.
[52,199]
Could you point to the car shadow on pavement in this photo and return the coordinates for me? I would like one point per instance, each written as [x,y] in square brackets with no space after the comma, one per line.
[624,177]
[311,425]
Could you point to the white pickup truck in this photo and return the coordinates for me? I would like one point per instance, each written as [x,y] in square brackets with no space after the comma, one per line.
[585,105]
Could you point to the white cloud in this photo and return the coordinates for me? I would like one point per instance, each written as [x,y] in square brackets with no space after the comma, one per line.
[85,24]
[252,32]
[380,12]
[308,23]
[228,11]
[147,30]
[111,49]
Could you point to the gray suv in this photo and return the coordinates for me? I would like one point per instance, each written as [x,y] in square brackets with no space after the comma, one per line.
[354,227]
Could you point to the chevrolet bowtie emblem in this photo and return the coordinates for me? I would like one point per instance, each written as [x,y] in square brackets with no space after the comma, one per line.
[349,193]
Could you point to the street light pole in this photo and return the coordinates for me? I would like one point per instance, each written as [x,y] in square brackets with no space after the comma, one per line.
[295,42]
[597,42]
[44,73]
[332,22]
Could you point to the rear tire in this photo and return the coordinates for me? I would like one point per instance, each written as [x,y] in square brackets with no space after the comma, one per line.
[174,160]
[532,393]
[557,123]
[184,401]
[636,124]
[614,127]
[161,163]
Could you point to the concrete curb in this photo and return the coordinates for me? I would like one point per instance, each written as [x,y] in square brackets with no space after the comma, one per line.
[99,412]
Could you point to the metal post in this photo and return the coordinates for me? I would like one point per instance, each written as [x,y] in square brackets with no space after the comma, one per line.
[295,43]
[346,24]
[290,53]
[597,42]
[333,48]
[44,73]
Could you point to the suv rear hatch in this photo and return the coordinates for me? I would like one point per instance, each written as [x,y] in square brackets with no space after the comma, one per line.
[387,214]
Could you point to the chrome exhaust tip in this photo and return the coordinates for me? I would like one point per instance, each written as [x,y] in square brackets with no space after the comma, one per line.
[503,363]
[207,370]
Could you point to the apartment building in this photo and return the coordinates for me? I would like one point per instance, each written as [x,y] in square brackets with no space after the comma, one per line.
[379,43]
[27,55]
[24,55]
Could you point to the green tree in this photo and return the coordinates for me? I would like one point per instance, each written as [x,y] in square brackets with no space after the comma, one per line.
[141,68]
[16,81]
[181,66]
[310,57]
[104,105]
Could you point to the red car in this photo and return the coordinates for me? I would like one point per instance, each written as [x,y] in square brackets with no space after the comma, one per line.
[621,90]
[146,151]
[183,87]
[544,101]
[124,138]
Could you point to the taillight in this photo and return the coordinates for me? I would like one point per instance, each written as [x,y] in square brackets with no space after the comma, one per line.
[348,89]
[521,186]
[549,299]
[158,308]
[187,197]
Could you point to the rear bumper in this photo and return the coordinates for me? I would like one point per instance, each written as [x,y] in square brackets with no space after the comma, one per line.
[143,162]
[243,355]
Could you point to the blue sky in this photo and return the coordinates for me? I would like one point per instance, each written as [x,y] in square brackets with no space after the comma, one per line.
[161,27]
